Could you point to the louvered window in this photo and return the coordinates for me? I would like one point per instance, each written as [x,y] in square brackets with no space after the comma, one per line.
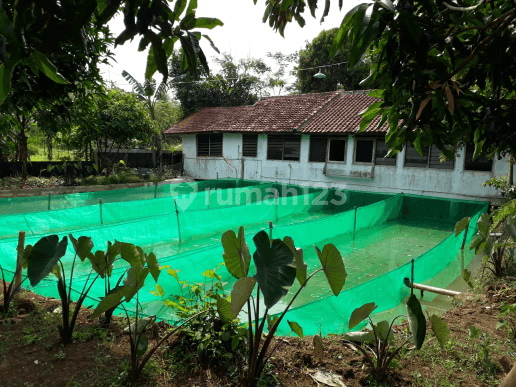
[283,147]
[435,159]
[431,158]
[414,159]
[250,145]
[209,144]
[479,164]
[381,152]
[318,146]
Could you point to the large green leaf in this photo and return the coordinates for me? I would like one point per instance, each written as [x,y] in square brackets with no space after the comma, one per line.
[47,67]
[130,254]
[236,253]
[417,321]
[110,301]
[383,331]
[135,280]
[296,328]
[440,329]
[359,337]
[359,314]
[5,81]
[275,268]
[82,246]
[461,225]
[223,309]
[240,294]
[333,267]
[143,344]
[301,267]
[44,256]
[207,22]
[153,265]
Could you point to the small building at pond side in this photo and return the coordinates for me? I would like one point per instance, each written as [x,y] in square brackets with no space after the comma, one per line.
[313,140]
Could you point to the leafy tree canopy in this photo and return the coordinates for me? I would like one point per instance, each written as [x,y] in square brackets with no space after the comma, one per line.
[37,36]
[446,71]
[340,75]
[236,84]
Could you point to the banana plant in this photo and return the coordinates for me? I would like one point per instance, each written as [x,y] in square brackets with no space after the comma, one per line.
[377,343]
[278,264]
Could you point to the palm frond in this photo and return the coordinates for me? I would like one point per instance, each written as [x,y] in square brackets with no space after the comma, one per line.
[160,91]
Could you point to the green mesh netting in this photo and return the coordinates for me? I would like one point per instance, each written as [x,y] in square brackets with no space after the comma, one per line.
[377,234]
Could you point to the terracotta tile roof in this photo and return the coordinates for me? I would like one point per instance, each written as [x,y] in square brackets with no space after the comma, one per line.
[334,112]
[342,115]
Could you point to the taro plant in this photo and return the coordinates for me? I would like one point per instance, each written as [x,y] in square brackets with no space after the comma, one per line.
[10,290]
[377,344]
[45,258]
[278,263]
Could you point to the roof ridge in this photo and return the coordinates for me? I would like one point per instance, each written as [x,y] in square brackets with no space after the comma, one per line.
[318,112]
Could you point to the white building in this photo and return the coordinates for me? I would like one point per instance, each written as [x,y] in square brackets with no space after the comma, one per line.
[313,140]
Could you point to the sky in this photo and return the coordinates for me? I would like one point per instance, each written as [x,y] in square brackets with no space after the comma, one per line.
[242,35]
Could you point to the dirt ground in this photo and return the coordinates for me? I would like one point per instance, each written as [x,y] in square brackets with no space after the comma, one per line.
[31,355]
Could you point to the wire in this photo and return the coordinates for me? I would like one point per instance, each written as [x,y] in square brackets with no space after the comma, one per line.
[320,67]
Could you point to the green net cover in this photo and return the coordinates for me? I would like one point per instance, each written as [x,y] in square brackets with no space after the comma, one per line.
[378,236]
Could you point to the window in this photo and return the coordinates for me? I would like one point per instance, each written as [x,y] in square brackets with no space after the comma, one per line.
[324,148]
[318,146]
[209,144]
[337,149]
[364,149]
[381,152]
[283,147]
[249,145]
[481,163]
[431,158]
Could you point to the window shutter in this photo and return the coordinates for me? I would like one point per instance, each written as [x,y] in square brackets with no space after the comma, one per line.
[414,159]
[274,147]
[249,145]
[203,145]
[435,156]
[381,152]
[292,148]
[216,144]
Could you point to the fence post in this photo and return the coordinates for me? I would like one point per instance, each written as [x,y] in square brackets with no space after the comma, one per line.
[100,211]
[21,245]
[178,225]
[270,229]
[209,197]
[354,227]
[49,202]
[462,249]
[156,190]
[276,204]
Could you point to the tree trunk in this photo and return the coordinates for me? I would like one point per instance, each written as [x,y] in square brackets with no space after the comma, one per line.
[511,170]
[49,147]
[23,154]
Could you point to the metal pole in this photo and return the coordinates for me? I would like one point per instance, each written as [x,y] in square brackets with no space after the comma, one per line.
[100,210]
[412,276]
[354,227]
[49,202]
[178,226]
[209,197]
[270,229]
[156,190]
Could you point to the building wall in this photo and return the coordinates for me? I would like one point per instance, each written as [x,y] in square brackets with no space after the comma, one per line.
[456,183]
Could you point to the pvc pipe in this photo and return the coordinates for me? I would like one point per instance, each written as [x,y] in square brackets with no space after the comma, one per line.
[431,289]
